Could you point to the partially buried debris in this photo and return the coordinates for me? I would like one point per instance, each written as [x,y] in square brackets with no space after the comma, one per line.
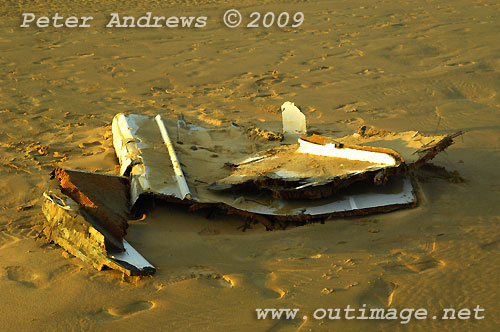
[320,166]
[294,121]
[277,184]
[104,197]
[314,179]
[86,214]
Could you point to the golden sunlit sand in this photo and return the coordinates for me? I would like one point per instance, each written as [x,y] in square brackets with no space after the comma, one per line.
[428,66]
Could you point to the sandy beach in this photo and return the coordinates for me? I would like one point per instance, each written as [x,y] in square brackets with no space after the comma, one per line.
[428,66]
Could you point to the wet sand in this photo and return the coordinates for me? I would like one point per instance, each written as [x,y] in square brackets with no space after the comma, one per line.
[427,66]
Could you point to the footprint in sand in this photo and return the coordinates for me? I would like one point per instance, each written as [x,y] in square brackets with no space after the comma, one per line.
[123,311]
[86,145]
[63,272]
[379,293]
[265,282]
[24,276]
[412,264]
[203,274]
[397,268]
[425,263]
[210,276]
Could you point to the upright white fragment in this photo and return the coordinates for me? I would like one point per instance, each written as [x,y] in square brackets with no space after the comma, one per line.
[181,180]
[294,121]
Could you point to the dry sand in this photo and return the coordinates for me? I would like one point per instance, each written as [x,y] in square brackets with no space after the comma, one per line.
[432,66]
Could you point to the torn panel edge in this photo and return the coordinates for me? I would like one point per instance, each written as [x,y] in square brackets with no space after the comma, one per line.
[71,230]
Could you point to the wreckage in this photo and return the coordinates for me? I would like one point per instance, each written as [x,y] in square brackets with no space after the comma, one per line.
[87,215]
[316,178]
[275,184]
[319,166]
[141,150]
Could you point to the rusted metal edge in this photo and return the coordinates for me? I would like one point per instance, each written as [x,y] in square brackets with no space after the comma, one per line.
[114,221]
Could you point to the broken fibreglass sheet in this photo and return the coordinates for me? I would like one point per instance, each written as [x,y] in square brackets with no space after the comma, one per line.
[105,197]
[82,235]
[361,198]
[144,157]
[202,154]
[307,163]
[319,166]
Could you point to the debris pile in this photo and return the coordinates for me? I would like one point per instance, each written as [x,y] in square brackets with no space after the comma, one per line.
[315,178]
